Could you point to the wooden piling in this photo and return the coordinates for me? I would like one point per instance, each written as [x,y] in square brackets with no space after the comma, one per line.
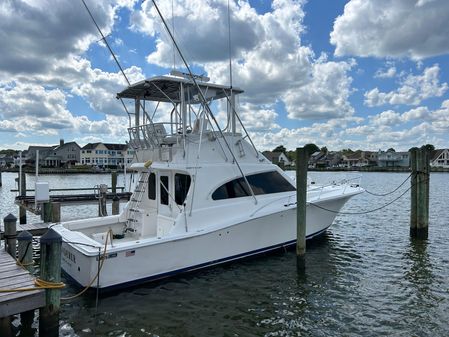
[5,327]
[56,212]
[114,181]
[25,250]
[413,190]
[115,205]
[25,257]
[10,223]
[419,214]
[0,177]
[102,211]
[47,210]
[23,193]
[50,270]
[301,199]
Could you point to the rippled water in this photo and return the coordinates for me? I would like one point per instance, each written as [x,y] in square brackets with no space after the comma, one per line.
[365,276]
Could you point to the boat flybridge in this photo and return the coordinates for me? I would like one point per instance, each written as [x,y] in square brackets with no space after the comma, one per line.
[204,196]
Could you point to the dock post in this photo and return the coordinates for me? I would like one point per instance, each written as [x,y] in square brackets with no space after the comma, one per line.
[114,181]
[419,214]
[50,271]
[25,257]
[23,193]
[56,212]
[301,199]
[102,211]
[115,205]
[6,326]
[10,222]
[302,161]
[52,211]
[413,191]
[422,227]
[47,210]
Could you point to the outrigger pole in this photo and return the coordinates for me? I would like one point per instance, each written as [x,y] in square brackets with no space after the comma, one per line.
[203,99]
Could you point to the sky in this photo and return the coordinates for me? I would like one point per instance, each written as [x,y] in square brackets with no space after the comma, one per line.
[358,74]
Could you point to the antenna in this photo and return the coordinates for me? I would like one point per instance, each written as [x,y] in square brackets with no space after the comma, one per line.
[173,28]
[204,101]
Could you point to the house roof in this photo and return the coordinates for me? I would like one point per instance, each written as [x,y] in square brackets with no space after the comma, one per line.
[435,154]
[109,146]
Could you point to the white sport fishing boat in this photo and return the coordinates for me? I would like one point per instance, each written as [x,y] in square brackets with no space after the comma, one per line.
[205,194]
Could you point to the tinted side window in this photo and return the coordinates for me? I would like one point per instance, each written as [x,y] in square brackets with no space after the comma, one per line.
[182,184]
[261,183]
[164,190]
[152,187]
[269,182]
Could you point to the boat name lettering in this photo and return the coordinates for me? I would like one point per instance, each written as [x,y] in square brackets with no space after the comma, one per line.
[68,255]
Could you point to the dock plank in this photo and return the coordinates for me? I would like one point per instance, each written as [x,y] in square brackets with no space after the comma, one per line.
[13,276]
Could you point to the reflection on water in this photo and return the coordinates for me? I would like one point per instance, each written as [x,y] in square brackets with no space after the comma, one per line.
[363,277]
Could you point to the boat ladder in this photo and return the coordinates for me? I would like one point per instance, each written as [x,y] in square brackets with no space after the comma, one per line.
[134,202]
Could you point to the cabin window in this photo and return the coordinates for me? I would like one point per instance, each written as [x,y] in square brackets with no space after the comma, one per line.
[164,190]
[182,184]
[152,187]
[261,183]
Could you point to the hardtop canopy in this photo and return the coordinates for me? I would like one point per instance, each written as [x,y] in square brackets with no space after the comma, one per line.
[168,89]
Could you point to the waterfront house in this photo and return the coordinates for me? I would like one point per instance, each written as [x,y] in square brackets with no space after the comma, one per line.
[63,155]
[277,158]
[6,161]
[359,159]
[106,154]
[440,158]
[30,155]
[392,158]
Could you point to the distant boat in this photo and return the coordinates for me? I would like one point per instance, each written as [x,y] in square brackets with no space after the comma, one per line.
[204,196]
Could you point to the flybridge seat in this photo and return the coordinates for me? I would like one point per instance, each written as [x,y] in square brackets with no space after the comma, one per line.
[168,89]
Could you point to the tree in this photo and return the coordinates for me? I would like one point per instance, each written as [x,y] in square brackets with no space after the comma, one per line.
[280,148]
[391,150]
[324,150]
[429,147]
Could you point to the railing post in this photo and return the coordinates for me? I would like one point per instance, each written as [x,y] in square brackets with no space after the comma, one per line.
[10,222]
[50,270]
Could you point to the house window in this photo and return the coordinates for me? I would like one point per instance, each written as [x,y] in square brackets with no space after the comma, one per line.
[261,183]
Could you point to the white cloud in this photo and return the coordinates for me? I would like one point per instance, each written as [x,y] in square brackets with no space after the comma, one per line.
[270,63]
[413,89]
[392,28]
[385,73]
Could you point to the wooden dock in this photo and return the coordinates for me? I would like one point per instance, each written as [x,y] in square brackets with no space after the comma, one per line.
[13,276]
[36,229]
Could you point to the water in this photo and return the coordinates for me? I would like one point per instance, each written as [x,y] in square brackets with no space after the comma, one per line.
[364,277]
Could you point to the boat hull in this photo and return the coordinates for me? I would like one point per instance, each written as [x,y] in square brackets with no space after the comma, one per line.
[155,259]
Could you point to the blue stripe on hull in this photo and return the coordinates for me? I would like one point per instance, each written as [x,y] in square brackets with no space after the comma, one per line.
[253,253]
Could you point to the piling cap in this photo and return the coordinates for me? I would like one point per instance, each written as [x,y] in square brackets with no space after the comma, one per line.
[51,237]
[24,236]
[9,218]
